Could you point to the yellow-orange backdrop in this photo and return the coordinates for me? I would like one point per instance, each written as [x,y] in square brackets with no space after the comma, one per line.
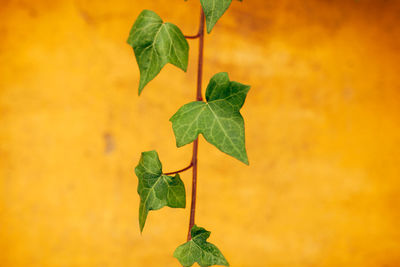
[322,131]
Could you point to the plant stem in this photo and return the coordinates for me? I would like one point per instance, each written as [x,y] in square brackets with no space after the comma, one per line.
[196,142]
[181,170]
[192,36]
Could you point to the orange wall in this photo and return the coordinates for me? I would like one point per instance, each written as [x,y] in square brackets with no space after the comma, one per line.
[322,132]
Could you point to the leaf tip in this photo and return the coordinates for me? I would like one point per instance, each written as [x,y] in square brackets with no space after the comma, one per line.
[140,89]
[141,226]
[245,160]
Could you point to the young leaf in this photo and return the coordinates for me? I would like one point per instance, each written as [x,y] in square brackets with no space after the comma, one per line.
[157,190]
[199,250]
[155,44]
[219,120]
[213,10]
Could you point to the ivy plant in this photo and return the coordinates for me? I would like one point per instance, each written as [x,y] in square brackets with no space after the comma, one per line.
[156,43]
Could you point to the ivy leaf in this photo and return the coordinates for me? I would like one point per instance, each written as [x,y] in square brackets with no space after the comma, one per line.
[157,190]
[219,120]
[213,11]
[155,44]
[199,250]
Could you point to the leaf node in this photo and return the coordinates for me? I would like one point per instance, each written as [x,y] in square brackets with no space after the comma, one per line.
[199,250]
[218,120]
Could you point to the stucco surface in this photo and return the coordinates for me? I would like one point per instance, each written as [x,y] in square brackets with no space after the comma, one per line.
[322,134]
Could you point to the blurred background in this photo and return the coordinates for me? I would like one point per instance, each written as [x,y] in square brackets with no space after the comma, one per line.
[322,132]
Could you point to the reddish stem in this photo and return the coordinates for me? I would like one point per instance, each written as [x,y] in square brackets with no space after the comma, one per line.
[181,170]
[192,36]
[196,142]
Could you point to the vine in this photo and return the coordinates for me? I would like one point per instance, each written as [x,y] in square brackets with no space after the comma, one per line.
[218,119]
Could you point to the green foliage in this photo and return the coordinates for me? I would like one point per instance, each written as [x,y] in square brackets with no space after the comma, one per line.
[155,44]
[219,120]
[157,190]
[199,250]
[213,11]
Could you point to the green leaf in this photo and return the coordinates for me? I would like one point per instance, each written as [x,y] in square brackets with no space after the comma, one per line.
[199,250]
[155,44]
[213,11]
[219,120]
[157,190]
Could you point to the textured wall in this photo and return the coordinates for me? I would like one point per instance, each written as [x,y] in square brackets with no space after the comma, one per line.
[322,131]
